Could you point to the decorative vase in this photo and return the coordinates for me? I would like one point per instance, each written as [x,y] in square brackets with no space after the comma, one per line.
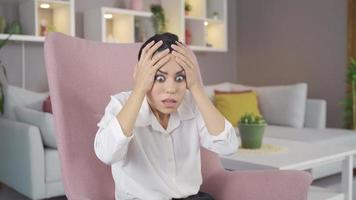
[136,4]
[251,135]
[188,37]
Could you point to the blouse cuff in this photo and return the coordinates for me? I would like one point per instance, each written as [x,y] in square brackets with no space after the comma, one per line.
[224,135]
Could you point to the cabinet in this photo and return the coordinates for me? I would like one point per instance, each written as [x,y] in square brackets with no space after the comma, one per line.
[37,17]
[204,28]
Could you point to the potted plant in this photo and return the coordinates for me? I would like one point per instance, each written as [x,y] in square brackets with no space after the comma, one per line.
[215,15]
[13,28]
[187,8]
[251,128]
[349,103]
[158,18]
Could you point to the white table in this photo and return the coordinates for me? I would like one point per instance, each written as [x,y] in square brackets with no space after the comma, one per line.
[299,156]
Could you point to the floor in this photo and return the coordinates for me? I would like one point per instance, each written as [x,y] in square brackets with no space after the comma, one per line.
[331,182]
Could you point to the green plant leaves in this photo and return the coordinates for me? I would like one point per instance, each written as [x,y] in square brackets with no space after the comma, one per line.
[158,18]
[350,100]
[250,118]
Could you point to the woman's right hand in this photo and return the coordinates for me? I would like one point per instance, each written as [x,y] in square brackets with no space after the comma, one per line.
[147,66]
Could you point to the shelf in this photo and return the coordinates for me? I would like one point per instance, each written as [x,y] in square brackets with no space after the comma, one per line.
[198,8]
[126,11]
[205,48]
[55,18]
[117,25]
[210,20]
[27,38]
[205,28]
[55,2]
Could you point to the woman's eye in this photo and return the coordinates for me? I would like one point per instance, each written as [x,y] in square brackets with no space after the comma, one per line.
[159,78]
[180,78]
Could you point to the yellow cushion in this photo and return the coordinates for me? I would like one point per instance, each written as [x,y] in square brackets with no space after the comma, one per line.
[235,104]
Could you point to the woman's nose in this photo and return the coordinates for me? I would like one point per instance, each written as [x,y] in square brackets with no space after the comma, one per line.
[171,87]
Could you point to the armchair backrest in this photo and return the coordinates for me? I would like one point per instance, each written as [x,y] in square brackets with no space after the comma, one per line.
[82,75]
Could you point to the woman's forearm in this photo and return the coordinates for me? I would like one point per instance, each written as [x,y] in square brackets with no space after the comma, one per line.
[214,120]
[128,114]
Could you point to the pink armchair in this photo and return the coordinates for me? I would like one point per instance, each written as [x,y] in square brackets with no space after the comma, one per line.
[82,75]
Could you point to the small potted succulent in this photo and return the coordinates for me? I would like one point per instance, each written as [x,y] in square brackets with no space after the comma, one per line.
[251,128]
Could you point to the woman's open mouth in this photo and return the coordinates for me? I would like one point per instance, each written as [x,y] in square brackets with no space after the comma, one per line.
[169,103]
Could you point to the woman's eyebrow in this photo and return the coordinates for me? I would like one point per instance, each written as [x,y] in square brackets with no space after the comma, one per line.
[167,72]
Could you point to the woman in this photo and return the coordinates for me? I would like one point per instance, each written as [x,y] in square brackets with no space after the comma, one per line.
[151,136]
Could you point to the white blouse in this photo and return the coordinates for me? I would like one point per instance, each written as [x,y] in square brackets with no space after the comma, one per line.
[154,163]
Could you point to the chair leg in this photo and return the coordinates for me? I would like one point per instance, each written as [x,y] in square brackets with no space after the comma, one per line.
[354,172]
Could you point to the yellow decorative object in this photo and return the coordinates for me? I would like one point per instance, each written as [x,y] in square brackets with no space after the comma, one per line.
[233,105]
[265,149]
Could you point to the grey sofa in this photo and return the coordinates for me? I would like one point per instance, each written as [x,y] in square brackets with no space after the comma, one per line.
[26,163]
[313,129]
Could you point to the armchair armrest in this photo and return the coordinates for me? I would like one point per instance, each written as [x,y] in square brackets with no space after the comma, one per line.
[22,158]
[256,185]
[315,113]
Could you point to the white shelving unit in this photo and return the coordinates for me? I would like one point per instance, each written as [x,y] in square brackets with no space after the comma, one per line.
[117,25]
[208,32]
[58,14]
[207,24]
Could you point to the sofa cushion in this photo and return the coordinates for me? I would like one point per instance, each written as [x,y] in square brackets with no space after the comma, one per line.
[42,120]
[16,96]
[47,105]
[53,171]
[281,105]
[235,104]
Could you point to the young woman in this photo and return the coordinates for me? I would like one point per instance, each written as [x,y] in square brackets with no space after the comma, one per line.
[151,136]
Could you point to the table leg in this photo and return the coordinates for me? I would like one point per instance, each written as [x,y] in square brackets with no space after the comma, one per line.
[347,170]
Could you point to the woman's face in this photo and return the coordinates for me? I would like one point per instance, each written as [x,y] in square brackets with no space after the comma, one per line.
[168,88]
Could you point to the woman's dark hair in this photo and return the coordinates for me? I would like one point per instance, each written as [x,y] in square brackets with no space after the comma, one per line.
[167,38]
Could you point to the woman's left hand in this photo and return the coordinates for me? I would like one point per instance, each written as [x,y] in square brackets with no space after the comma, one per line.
[185,58]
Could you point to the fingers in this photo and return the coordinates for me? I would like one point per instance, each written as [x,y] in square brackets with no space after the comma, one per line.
[182,63]
[183,58]
[146,48]
[159,55]
[179,47]
[161,62]
[151,50]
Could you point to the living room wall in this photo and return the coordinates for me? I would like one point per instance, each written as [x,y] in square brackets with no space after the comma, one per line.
[288,41]
[215,66]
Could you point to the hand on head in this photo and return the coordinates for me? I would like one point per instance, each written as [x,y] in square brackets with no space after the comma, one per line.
[148,65]
[152,57]
[185,58]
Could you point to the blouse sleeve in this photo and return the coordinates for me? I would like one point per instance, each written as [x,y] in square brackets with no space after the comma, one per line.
[110,143]
[225,143]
